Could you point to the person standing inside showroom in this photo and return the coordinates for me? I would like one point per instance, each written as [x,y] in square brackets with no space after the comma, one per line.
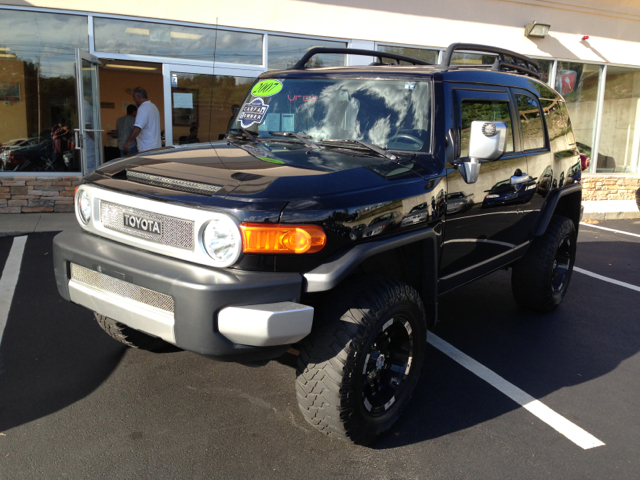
[146,131]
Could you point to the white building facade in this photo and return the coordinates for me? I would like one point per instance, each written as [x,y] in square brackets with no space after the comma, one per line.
[67,70]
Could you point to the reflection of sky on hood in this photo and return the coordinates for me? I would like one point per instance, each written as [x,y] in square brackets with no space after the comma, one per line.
[368,110]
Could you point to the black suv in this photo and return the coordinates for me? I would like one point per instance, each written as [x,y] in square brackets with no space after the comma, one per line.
[320,225]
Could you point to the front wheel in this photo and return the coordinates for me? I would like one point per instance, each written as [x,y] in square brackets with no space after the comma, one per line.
[357,370]
[541,278]
[129,336]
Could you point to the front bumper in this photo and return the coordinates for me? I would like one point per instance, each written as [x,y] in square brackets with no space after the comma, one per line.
[257,307]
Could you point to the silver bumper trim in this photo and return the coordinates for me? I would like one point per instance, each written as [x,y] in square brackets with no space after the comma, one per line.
[140,316]
[266,324]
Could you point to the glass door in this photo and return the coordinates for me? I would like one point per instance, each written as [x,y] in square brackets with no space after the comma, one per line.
[198,104]
[88,135]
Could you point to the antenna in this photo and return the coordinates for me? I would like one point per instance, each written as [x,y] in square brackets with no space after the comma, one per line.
[213,79]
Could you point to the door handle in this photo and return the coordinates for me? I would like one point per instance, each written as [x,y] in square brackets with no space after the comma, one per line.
[76,133]
[518,179]
[90,130]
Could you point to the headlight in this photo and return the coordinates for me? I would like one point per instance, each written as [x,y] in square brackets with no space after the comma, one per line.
[222,241]
[84,206]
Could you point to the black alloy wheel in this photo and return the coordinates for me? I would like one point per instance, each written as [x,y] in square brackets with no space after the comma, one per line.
[541,278]
[359,366]
[387,366]
[561,265]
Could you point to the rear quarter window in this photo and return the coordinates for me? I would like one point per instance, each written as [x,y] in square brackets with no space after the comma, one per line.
[559,125]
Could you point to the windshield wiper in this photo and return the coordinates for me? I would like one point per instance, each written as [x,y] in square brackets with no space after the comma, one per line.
[303,138]
[370,146]
[248,133]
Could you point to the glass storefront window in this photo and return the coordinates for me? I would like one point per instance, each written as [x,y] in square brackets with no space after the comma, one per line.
[203,105]
[619,146]
[38,109]
[460,58]
[578,83]
[545,69]
[284,52]
[430,56]
[161,40]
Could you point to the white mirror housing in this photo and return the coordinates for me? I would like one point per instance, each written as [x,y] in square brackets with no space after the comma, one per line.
[488,140]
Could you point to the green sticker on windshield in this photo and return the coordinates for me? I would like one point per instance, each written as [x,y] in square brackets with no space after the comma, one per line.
[266,88]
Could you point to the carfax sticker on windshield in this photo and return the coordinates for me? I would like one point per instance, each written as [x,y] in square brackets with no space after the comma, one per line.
[266,88]
[253,112]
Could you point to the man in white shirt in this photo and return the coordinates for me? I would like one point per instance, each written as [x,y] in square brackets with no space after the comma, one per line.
[146,130]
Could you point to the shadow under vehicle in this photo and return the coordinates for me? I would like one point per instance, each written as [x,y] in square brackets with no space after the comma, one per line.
[241,250]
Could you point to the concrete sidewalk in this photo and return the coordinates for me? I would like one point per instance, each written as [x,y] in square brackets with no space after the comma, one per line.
[53,222]
[16,224]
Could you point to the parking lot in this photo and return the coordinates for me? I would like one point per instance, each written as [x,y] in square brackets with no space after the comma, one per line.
[75,403]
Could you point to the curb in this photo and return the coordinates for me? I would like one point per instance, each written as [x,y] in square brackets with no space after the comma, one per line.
[610,215]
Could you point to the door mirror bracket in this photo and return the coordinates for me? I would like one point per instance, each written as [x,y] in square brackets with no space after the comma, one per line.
[469,170]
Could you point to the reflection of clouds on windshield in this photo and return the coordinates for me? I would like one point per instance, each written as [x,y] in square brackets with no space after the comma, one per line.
[345,112]
[379,133]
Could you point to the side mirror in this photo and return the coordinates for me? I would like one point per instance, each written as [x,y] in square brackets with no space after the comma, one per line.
[488,140]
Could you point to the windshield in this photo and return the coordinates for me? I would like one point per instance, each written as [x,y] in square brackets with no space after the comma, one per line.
[391,114]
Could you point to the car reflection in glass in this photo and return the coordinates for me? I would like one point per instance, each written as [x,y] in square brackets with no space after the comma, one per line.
[382,223]
[504,193]
[418,214]
[357,231]
[459,202]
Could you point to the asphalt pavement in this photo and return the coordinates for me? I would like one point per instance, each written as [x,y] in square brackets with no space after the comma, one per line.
[76,404]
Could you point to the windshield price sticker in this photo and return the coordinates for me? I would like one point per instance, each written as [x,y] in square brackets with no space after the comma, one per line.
[266,88]
[253,112]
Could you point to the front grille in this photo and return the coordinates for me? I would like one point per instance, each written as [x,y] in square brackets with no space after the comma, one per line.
[175,232]
[123,289]
[173,183]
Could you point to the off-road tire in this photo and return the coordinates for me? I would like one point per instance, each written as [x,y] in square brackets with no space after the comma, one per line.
[331,364]
[532,280]
[130,336]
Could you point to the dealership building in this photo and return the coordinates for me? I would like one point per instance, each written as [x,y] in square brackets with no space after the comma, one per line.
[71,66]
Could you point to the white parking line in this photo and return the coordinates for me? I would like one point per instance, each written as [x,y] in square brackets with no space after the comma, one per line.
[606,279]
[610,229]
[9,279]
[556,421]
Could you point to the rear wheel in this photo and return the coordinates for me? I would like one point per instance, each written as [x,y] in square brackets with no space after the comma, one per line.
[540,280]
[130,336]
[357,370]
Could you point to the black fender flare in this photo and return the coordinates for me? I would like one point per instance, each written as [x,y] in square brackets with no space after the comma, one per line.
[335,270]
[331,273]
[550,206]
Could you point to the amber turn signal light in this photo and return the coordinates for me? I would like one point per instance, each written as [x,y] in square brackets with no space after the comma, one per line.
[267,238]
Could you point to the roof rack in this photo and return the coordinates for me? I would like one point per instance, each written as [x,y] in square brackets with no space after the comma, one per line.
[352,51]
[519,63]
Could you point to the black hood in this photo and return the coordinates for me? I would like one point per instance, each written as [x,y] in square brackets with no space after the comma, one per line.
[265,171]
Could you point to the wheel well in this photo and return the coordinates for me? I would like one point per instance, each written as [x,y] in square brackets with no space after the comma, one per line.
[569,207]
[403,263]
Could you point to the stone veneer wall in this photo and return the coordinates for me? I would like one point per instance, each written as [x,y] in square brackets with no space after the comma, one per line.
[55,194]
[609,187]
[37,194]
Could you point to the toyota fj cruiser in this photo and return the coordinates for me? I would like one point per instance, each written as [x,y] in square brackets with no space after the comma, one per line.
[341,204]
